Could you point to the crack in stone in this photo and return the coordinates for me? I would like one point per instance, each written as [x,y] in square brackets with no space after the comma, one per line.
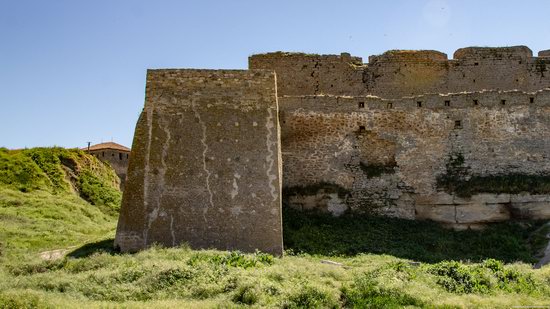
[149,117]
[205,150]
[269,158]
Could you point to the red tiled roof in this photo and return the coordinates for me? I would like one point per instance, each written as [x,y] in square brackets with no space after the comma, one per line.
[108,145]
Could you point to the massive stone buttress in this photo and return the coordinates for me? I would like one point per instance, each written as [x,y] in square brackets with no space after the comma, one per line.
[205,167]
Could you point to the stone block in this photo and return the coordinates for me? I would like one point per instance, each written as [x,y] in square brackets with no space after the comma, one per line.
[440,213]
[481,213]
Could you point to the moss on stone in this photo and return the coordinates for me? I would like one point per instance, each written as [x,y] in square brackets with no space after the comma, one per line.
[458,180]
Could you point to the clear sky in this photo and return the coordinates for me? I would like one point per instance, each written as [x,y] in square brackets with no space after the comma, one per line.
[73,71]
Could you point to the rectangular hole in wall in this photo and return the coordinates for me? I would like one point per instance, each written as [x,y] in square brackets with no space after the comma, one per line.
[361,104]
[418,103]
[503,102]
[476,63]
[476,102]
[362,129]
[120,156]
[390,105]
[447,103]
[458,124]
[531,100]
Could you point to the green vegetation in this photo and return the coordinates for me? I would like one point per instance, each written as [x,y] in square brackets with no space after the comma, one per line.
[373,262]
[425,241]
[458,180]
[41,200]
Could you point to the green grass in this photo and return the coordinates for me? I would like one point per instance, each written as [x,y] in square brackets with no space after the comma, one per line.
[383,262]
[181,277]
[52,198]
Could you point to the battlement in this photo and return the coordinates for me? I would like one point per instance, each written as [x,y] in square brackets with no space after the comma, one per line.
[399,73]
[480,53]
[409,56]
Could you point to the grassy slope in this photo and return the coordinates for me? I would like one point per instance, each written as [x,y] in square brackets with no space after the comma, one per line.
[52,198]
[42,208]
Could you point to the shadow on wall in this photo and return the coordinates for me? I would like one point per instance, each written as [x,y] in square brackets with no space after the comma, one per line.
[424,241]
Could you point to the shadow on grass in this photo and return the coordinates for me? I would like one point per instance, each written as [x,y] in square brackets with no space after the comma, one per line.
[102,246]
[423,241]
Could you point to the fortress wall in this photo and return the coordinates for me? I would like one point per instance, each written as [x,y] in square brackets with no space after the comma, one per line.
[205,164]
[398,73]
[386,159]
[305,74]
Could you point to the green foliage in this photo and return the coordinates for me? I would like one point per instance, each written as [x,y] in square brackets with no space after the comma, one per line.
[97,191]
[233,259]
[376,170]
[61,171]
[458,180]
[18,171]
[481,278]
[310,297]
[247,295]
[365,292]
[418,240]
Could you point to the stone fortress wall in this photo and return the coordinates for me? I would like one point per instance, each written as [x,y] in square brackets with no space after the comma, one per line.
[412,134]
[205,163]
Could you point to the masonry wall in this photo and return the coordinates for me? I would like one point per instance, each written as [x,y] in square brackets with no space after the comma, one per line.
[205,164]
[396,74]
[402,157]
[118,161]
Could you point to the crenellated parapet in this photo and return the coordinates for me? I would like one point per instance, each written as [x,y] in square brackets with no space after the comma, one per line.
[399,73]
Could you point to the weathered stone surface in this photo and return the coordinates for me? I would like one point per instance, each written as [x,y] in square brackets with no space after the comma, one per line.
[205,164]
[481,213]
[527,206]
[440,213]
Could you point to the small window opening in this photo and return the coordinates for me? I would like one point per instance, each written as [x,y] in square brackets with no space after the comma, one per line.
[531,100]
[458,124]
[476,63]
[390,105]
[103,153]
[362,129]
[476,102]
[112,154]
[447,103]
[520,62]
[126,156]
[361,104]
[474,80]
[503,102]
[120,156]
[419,103]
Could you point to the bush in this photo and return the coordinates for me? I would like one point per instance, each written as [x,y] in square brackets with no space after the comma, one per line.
[364,292]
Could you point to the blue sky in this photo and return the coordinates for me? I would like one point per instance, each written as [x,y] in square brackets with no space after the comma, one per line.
[74,71]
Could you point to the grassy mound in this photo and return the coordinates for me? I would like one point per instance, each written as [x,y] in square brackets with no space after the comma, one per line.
[52,198]
[59,170]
